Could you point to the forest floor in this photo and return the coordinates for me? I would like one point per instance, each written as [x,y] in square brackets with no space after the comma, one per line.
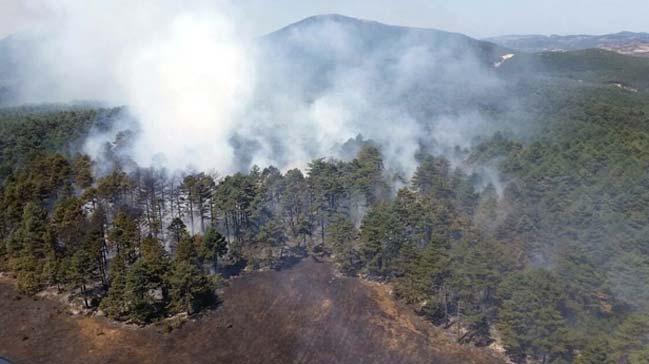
[302,314]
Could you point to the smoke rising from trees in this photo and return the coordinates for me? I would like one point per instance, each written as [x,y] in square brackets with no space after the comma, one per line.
[204,96]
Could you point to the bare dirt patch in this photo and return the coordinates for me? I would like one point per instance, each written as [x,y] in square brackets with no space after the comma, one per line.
[304,314]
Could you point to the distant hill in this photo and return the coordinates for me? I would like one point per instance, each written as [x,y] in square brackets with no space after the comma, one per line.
[628,43]
[595,66]
[14,50]
[423,71]
[371,37]
[6,70]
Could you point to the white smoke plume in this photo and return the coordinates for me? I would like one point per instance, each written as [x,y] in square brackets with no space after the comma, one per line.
[208,97]
[179,67]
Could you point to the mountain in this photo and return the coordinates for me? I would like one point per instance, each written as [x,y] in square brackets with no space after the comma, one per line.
[371,37]
[419,72]
[322,44]
[628,43]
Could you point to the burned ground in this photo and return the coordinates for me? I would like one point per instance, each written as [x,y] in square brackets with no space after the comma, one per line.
[304,314]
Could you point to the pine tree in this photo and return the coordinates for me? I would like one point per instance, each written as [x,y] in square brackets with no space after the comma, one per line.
[381,239]
[631,338]
[82,166]
[187,251]
[189,289]
[81,271]
[29,276]
[30,248]
[214,247]
[114,303]
[598,351]
[141,306]
[293,201]
[340,237]
[530,319]
[124,235]
[178,229]
[367,174]
[32,234]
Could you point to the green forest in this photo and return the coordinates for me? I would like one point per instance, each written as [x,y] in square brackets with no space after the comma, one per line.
[553,260]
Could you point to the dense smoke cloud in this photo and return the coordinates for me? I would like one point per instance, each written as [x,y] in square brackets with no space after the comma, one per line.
[179,68]
[207,97]
[329,78]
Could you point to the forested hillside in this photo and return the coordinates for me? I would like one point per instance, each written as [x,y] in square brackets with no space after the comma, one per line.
[586,66]
[578,191]
[556,265]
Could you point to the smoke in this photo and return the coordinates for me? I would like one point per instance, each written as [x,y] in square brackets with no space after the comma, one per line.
[180,69]
[328,79]
[206,96]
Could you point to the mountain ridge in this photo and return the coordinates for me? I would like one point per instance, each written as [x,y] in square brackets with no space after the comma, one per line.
[623,42]
[364,26]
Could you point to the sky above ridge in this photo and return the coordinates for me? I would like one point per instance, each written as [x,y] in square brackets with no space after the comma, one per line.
[477,18]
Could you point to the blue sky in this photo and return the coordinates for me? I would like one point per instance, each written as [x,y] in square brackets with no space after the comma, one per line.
[479,18]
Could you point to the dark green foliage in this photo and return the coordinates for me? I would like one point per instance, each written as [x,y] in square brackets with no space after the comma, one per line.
[178,229]
[31,237]
[630,340]
[197,191]
[579,193]
[423,275]
[186,250]
[113,303]
[530,317]
[340,239]
[114,187]
[366,173]
[82,166]
[598,351]
[326,192]
[214,247]
[189,289]
[380,238]
[124,235]
[25,132]
[141,303]
[293,203]
[235,196]
[146,286]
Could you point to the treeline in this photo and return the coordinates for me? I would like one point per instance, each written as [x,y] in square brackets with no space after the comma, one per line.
[121,240]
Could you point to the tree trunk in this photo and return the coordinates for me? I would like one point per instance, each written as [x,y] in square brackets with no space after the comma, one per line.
[200,212]
[85,298]
[458,319]
[191,215]
[322,230]
[445,293]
